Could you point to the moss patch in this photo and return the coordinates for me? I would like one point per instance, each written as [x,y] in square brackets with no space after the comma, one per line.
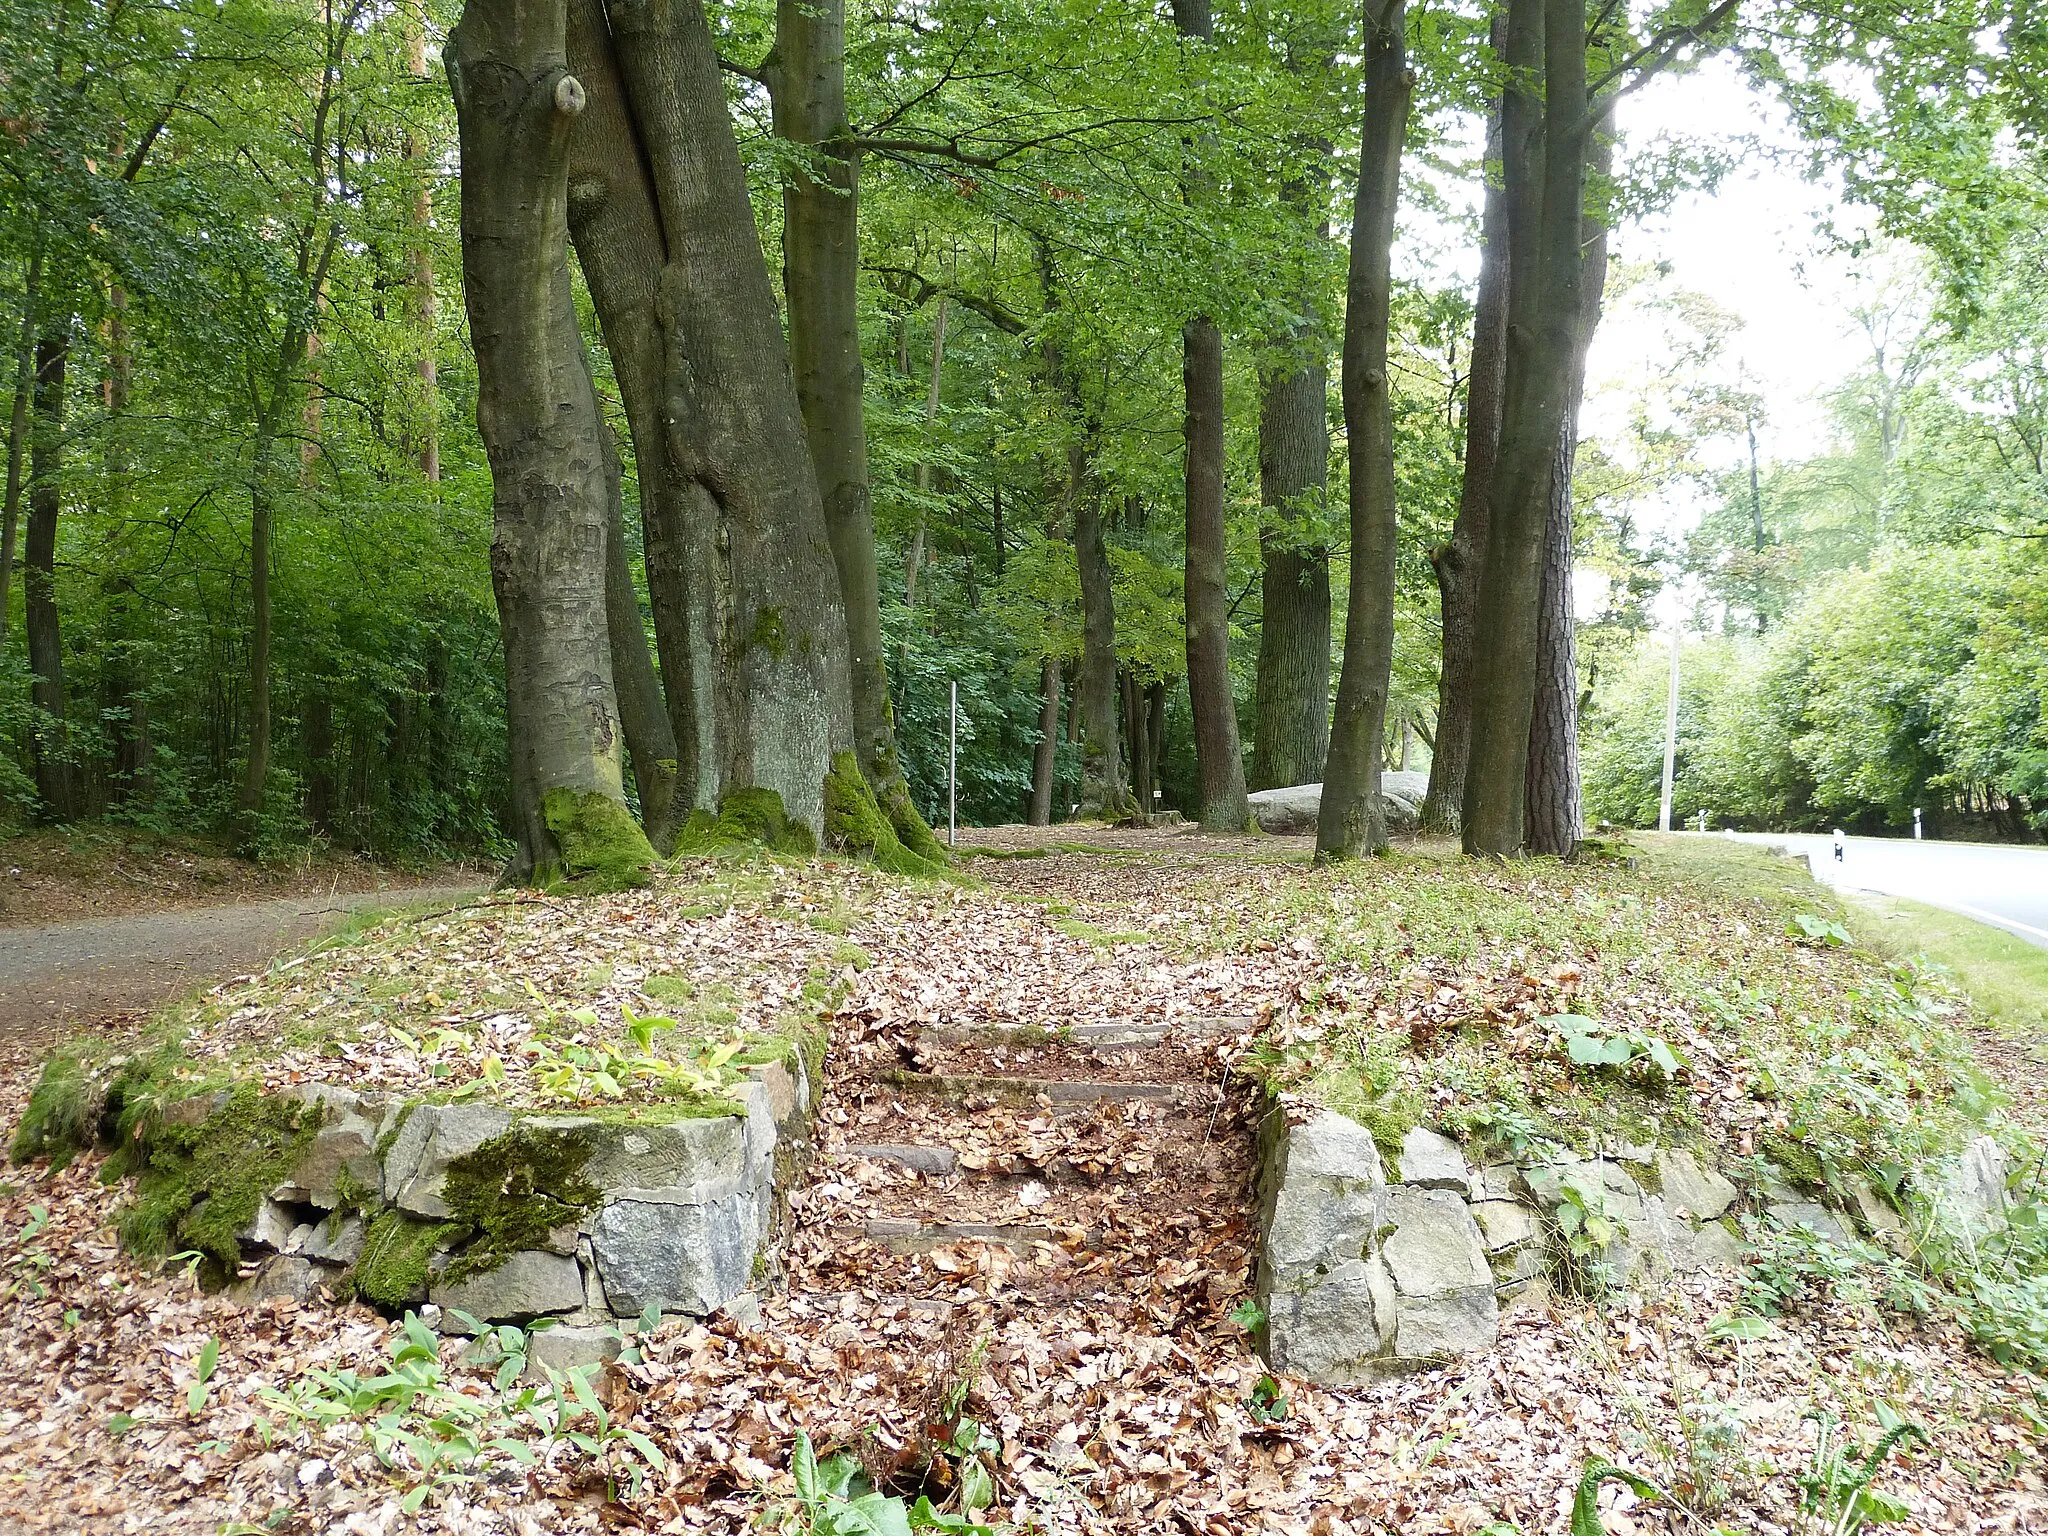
[514,1190]
[746,816]
[201,1184]
[603,848]
[63,1114]
[855,823]
[392,1272]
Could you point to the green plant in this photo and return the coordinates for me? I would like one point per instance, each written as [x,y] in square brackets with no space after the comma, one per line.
[1836,1489]
[202,1375]
[1590,1043]
[1587,1233]
[1267,1404]
[1586,1519]
[1248,1315]
[27,1265]
[1820,931]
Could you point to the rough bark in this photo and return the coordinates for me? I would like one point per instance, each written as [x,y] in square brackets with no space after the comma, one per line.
[780,689]
[56,776]
[1544,152]
[1555,809]
[622,250]
[256,765]
[1353,817]
[821,280]
[17,433]
[1046,758]
[1291,722]
[515,105]
[1460,561]
[123,686]
[425,306]
[1137,736]
[650,740]
[1105,792]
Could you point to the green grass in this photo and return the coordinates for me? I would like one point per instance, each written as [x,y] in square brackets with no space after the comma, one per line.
[2006,977]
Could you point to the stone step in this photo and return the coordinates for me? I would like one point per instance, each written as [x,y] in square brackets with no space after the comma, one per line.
[1057,1090]
[905,1235]
[944,1162]
[1098,1035]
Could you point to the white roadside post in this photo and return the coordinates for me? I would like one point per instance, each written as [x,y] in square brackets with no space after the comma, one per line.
[1916,823]
[953,769]
[1670,738]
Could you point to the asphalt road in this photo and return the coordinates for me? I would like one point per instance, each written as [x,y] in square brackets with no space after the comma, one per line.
[65,975]
[2006,887]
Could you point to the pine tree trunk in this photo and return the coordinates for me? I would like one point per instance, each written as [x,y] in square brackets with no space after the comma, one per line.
[821,279]
[1544,151]
[620,246]
[1291,725]
[780,687]
[1460,563]
[56,777]
[1555,810]
[515,106]
[1046,758]
[1352,819]
[17,433]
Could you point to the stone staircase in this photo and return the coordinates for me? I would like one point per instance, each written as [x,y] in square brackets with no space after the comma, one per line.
[1060,1161]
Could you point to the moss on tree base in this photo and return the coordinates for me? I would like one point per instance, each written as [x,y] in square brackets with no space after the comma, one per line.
[746,817]
[602,846]
[855,822]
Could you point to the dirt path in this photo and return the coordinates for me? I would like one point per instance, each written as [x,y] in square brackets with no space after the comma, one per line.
[64,976]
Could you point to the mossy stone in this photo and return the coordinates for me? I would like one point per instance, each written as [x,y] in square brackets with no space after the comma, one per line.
[63,1113]
[855,822]
[603,848]
[398,1252]
[514,1190]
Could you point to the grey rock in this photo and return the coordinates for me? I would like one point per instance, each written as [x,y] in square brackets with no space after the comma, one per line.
[270,1228]
[193,1112]
[713,1154]
[1287,812]
[1432,1329]
[528,1284]
[301,1235]
[1873,1209]
[1435,1246]
[564,1348]
[1807,1213]
[1779,1190]
[1690,1190]
[1713,1246]
[344,1150]
[1432,1161]
[1336,1331]
[936,1161]
[1496,1181]
[1505,1224]
[1322,1195]
[432,1137]
[1514,1266]
[1969,1189]
[337,1240]
[745,1310]
[675,1254]
[285,1275]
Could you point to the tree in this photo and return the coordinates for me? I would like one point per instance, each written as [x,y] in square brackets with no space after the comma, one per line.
[516,104]
[1352,820]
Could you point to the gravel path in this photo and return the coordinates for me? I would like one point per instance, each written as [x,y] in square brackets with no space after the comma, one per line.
[62,976]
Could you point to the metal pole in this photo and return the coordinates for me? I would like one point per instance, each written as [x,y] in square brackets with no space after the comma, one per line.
[1670,737]
[953,769]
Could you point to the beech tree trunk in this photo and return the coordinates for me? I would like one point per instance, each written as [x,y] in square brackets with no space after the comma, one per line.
[780,700]
[1460,562]
[256,768]
[1219,755]
[1046,758]
[424,304]
[50,736]
[123,686]
[1555,810]
[515,105]
[1352,820]
[622,250]
[821,279]
[1137,733]
[1544,151]
[1291,722]
[17,433]
[1104,790]
[650,740]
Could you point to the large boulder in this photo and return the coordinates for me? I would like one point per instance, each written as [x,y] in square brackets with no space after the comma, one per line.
[430,1138]
[526,1285]
[1322,1195]
[1292,812]
[676,1251]
[1443,1298]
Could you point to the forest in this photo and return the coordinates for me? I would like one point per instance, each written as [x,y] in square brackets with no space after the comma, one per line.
[557,435]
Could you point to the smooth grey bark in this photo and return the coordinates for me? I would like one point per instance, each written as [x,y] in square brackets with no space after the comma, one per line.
[1219,754]
[650,740]
[123,686]
[1137,736]
[1046,758]
[17,431]
[780,690]
[622,251]
[1545,125]
[1555,811]
[516,103]
[1105,792]
[50,735]
[1353,817]
[1291,718]
[256,767]
[1460,561]
[821,281]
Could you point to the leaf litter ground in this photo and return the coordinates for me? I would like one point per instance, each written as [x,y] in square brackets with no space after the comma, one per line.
[1094,1329]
